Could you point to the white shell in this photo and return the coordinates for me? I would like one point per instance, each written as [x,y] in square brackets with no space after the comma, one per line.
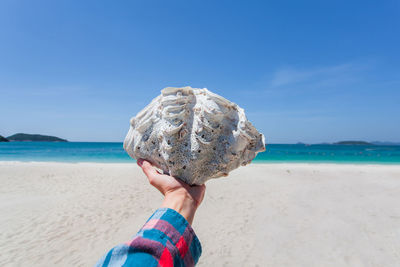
[193,134]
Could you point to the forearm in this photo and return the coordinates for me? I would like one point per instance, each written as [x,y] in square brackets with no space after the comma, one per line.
[183,203]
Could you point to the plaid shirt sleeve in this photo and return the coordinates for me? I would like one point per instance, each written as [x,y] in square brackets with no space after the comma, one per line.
[166,239]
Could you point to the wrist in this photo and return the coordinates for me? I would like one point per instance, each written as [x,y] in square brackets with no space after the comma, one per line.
[182,203]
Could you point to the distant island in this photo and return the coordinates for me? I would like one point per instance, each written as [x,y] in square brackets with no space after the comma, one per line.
[35,138]
[2,139]
[385,143]
[349,143]
[362,143]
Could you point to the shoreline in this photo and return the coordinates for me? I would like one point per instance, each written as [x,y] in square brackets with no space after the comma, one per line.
[253,163]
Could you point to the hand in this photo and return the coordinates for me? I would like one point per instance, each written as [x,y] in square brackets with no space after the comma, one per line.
[179,196]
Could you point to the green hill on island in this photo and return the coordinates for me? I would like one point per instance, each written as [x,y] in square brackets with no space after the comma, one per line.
[353,143]
[35,138]
[2,139]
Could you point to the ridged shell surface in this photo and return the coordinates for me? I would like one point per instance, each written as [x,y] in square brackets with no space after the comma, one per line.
[193,134]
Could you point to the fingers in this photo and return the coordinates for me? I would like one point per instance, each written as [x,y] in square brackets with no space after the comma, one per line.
[148,170]
[203,187]
[200,187]
[202,192]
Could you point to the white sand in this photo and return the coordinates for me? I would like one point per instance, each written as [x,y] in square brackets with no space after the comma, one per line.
[261,215]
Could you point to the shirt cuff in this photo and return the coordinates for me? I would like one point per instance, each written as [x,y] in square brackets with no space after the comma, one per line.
[184,244]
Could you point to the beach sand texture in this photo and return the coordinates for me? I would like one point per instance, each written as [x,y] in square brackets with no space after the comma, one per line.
[67,214]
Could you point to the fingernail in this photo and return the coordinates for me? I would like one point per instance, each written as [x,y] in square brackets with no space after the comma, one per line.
[140,162]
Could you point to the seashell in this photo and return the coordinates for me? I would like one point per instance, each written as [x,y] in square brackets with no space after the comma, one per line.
[193,134]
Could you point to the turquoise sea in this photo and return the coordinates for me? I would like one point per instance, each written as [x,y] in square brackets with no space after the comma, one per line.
[113,152]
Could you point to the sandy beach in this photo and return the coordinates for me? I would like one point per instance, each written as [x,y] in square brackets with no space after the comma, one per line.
[68,214]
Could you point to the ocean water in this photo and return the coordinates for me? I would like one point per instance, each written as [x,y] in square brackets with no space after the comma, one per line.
[113,152]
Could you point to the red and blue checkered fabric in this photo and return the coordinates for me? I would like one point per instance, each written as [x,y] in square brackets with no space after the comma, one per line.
[166,239]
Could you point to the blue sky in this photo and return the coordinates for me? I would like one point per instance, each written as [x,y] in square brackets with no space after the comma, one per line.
[310,71]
